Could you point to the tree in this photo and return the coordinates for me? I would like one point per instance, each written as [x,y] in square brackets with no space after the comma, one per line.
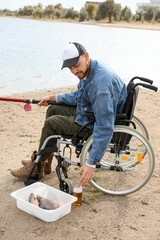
[157,15]
[49,11]
[58,6]
[110,9]
[126,14]
[83,15]
[101,11]
[71,13]
[58,11]
[28,10]
[37,12]
[149,13]
[138,16]
[117,12]
[106,9]
[91,9]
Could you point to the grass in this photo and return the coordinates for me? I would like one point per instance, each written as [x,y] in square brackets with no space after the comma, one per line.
[95,179]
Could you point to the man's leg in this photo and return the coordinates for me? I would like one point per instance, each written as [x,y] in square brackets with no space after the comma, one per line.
[54,125]
[57,120]
[51,111]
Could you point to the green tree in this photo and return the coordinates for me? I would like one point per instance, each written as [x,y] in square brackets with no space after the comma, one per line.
[126,14]
[20,12]
[101,11]
[37,12]
[157,15]
[28,10]
[58,6]
[91,9]
[71,13]
[138,16]
[149,13]
[83,14]
[58,10]
[110,9]
[49,11]
[117,12]
[58,13]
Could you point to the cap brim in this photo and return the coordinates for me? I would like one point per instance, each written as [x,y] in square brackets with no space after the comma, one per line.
[70,62]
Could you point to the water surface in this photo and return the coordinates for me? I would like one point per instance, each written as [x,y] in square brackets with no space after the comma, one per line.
[30,52]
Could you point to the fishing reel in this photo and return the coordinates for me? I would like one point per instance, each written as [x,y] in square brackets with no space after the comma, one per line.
[27,107]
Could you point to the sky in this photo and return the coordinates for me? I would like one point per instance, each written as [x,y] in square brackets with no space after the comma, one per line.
[77,4]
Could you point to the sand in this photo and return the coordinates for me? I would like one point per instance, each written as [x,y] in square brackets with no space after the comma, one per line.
[101,217]
[131,25]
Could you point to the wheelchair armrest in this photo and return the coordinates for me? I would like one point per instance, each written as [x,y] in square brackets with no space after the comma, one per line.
[120,116]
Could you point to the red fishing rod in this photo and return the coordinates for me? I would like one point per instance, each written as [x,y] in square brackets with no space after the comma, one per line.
[27,106]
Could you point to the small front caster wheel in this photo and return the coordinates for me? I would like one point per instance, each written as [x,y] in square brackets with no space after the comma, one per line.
[66,186]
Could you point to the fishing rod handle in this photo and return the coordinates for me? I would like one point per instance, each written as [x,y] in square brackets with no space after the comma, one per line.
[49,102]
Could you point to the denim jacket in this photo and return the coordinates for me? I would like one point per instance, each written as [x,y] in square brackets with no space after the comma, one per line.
[104,94]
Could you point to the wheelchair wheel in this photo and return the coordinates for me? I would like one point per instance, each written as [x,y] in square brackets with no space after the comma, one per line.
[140,127]
[66,186]
[123,169]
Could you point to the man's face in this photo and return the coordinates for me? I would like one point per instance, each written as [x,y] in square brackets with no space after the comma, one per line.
[81,69]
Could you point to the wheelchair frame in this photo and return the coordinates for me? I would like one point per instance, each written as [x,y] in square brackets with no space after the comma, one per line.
[125,167]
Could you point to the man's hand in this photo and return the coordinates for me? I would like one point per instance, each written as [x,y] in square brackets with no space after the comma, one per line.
[88,173]
[46,99]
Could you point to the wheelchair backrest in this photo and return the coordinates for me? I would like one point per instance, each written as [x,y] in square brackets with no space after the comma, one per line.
[132,94]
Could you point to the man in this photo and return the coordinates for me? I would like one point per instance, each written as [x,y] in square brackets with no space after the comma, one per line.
[99,91]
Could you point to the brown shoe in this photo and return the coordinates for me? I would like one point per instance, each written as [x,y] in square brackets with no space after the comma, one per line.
[47,164]
[33,157]
[24,172]
[26,162]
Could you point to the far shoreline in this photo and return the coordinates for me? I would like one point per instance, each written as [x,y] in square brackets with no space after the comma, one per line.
[130,25]
[133,25]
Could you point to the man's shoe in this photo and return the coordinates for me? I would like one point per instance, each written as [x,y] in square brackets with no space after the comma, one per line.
[47,163]
[26,162]
[24,172]
[33,157]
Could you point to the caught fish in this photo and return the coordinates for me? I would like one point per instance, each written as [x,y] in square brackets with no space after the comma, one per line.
[46,203]
[33,199]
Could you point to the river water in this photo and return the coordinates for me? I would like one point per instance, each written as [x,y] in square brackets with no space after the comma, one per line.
[30,53]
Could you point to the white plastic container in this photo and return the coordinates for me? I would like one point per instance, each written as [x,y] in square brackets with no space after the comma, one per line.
[63,199]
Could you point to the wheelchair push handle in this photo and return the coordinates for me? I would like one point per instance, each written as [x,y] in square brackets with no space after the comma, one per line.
[154,88]
[142,79]
[151,87]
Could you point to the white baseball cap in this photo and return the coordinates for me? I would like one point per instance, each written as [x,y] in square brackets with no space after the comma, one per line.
[71,54]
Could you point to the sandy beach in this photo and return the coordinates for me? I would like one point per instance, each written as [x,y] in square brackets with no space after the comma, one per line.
[131,25]
[101,217]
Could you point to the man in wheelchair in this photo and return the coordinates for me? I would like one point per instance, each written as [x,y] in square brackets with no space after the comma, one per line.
[100,91]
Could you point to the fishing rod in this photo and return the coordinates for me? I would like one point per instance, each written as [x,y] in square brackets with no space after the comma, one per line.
[27,106]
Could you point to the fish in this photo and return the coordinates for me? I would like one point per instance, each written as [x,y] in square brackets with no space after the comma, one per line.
[47,204]
[33,199]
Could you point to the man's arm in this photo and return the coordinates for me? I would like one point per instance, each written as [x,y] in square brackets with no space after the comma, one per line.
[104,111]
[104,107]
[66,98]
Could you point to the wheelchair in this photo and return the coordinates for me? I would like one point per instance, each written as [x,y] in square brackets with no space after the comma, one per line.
[128,162]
